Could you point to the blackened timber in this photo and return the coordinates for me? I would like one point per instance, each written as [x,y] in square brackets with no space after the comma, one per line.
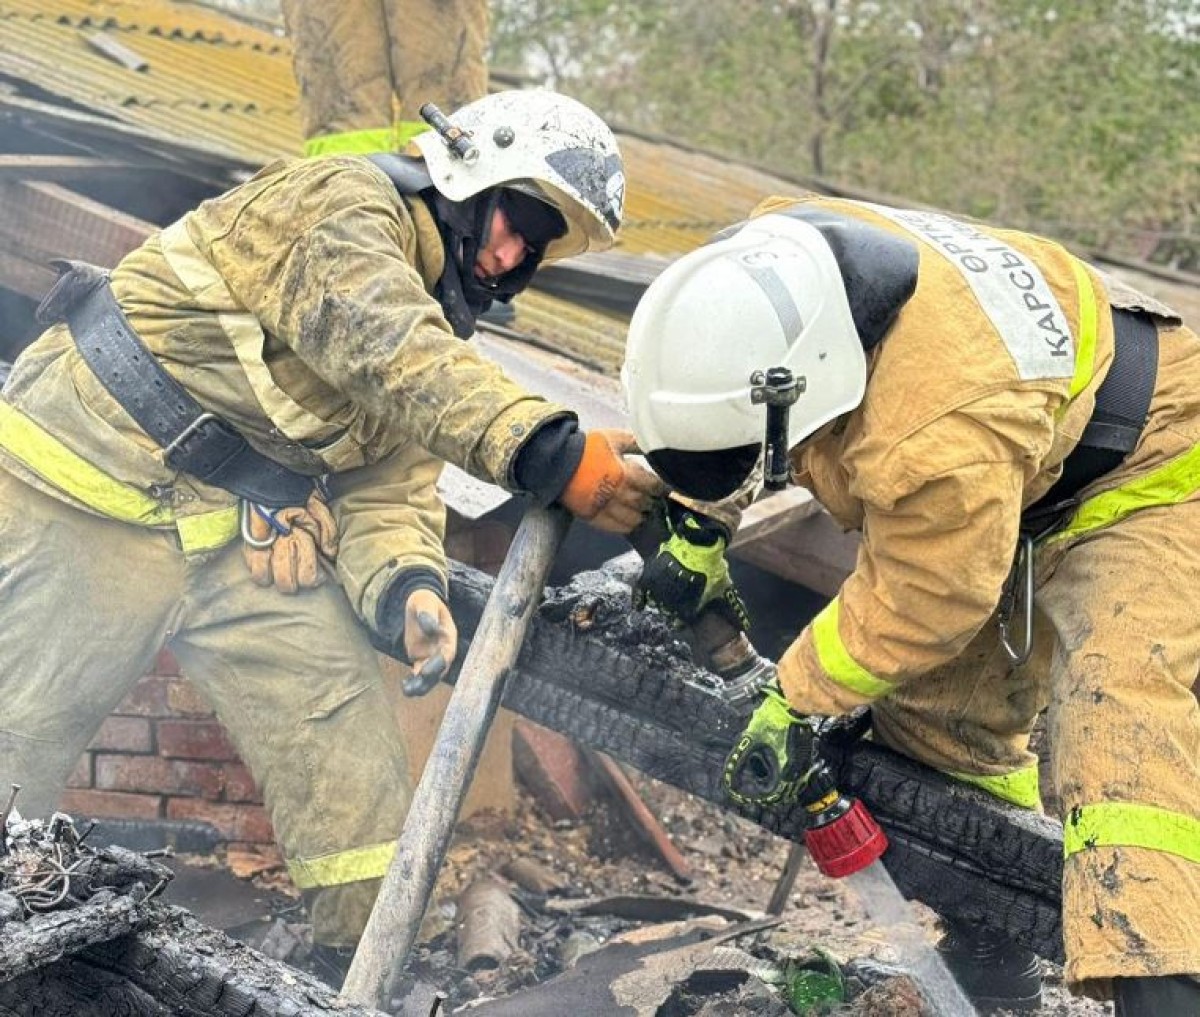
[43,939]
[173,967]
[608,279]
[620,681]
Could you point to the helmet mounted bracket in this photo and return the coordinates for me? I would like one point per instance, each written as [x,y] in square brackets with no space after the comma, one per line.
[779,389]
[457,140]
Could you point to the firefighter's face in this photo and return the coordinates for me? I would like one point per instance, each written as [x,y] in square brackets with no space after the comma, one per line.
[504,251]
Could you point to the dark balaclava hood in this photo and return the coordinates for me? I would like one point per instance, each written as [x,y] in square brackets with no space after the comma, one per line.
[465,227]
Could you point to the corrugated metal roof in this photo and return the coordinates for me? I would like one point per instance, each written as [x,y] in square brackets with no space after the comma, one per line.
[214,82]
[209,78]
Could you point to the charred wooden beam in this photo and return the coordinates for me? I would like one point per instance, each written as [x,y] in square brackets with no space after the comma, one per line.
[620,681]
[608,280]
[43,939]
[174,967]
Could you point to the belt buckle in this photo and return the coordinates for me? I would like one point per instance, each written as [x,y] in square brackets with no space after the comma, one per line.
[186,433]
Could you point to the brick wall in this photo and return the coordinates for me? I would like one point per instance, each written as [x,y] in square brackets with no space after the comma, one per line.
[162,754]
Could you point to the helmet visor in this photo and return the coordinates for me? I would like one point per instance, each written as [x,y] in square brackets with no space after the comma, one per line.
[707,476]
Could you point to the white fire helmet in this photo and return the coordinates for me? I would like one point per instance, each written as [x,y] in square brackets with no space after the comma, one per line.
[545,144]
[769,295]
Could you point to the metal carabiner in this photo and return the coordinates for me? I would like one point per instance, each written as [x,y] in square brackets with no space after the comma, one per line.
[277,529]
[1020,580]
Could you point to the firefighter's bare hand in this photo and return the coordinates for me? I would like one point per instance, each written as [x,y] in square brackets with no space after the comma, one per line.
[609,490]
[430,641]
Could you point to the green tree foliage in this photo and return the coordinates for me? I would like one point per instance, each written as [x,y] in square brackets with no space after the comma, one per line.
[1080,118]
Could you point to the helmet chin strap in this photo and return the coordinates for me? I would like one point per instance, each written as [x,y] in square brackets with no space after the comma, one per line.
[465,227]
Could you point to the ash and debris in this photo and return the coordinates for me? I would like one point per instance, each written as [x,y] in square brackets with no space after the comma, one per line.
[580,886]
[45,866]
[600,603]
[576,887]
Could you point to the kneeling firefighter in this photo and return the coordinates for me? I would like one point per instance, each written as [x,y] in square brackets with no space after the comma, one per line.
[998,420]
[283,362]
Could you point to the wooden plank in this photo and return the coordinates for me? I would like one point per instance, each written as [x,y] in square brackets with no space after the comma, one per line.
[813,551]
[41,221]
[191,157]
[639,816]
[606,279]
[774,512]
[404,896]
[23,276]
[65,168]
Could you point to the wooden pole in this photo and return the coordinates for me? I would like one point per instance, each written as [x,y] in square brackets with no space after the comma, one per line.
[421,848]
[787,879]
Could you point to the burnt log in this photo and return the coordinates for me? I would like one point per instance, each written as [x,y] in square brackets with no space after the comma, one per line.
[173,966]
[489,927]
[43,939]
[624,683]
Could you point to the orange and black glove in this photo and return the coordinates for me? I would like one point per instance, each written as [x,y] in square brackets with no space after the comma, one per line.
[414,625]
[289,548]
[608,490]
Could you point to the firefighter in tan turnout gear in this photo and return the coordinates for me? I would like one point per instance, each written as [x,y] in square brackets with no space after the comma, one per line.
[230,447]
[364,67]
[978,403]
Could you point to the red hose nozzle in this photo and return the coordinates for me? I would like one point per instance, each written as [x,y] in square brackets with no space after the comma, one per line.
[841,835]
[850,842]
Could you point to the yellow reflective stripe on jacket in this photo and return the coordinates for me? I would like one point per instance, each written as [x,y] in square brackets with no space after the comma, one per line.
[1085,342]
[836,659]
[1122,824]
[1019,787]
[351,866]
[1170,484]
[368,142]
[55,463]
[51,460]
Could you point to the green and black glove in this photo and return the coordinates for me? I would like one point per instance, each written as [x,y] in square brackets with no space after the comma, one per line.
[689,572]
[774,756]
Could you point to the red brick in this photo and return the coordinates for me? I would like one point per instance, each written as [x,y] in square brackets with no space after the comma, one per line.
[81,776]
[481,544]
[163,696]
[148,698]
[110,805]
[124,734]
[165,663]
[239,784]
[244,823]
[552,768]
[194,739]
[184,699]
[158,775]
